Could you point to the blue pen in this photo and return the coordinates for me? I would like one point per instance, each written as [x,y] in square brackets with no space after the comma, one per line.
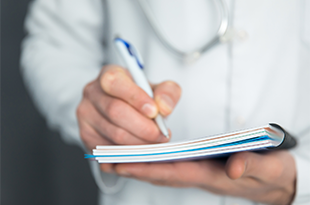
[134,63]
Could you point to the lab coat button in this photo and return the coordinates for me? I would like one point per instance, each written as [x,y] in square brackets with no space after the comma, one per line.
[242,35]
[234,35]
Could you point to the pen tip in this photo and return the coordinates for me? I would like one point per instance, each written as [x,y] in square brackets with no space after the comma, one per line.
[167,136]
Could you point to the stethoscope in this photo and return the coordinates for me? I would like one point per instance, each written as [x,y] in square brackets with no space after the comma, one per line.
[223,35]
[189,57]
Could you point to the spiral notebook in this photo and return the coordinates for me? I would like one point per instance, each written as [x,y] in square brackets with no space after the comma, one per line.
[268,137]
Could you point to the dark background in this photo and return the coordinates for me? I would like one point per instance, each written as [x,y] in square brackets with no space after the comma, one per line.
[36,166]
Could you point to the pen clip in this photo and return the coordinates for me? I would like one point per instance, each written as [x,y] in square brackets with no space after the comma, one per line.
[132,51]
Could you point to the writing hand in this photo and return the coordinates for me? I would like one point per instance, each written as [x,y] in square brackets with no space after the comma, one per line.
[114,110]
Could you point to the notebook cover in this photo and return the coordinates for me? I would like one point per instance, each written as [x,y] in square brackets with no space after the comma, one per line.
[288,142]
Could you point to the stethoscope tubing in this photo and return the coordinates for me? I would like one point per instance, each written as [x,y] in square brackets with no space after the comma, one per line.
[187,56]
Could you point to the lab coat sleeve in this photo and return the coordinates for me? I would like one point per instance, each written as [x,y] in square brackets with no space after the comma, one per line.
[62,52]
[302,161]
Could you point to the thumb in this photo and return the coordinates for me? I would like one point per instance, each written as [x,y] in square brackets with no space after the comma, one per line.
[167,95]
[236,165]
[265,167]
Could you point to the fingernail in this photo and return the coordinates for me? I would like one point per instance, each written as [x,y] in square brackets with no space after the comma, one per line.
[149,110]
[124,173]
[163,138]
[165,103]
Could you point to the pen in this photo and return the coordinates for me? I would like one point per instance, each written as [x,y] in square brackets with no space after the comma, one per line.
[133,60]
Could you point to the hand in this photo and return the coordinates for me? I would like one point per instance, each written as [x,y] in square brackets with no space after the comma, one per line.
[114,110]
[267,178]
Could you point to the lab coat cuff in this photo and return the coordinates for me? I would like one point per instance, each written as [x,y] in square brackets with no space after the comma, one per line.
[302,192]
[107,183]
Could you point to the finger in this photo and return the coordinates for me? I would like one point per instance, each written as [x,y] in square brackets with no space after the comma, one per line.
[198,173]
[167,95]
[116,82]
[123,115]
[108,130]
[147,171]
[91,137]
[107,167]
[116,134]
[265,167]
[126,117]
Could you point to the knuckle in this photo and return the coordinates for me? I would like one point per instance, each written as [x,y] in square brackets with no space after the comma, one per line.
[110,77]
[87,90]
[80,111]
[134,96]
[119,136]
[151,133]
[85,135]
[114,110]
[277,171]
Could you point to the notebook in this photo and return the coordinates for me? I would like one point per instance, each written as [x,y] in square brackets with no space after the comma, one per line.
[269,137]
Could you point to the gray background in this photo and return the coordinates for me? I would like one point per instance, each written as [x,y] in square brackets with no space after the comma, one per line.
[36,166]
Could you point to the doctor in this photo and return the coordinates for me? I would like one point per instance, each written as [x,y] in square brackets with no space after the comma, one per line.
[257,72]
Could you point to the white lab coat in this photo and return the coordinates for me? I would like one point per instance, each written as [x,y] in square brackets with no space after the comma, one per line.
[258,78]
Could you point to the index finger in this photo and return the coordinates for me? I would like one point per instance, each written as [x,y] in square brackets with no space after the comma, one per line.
[115,81]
